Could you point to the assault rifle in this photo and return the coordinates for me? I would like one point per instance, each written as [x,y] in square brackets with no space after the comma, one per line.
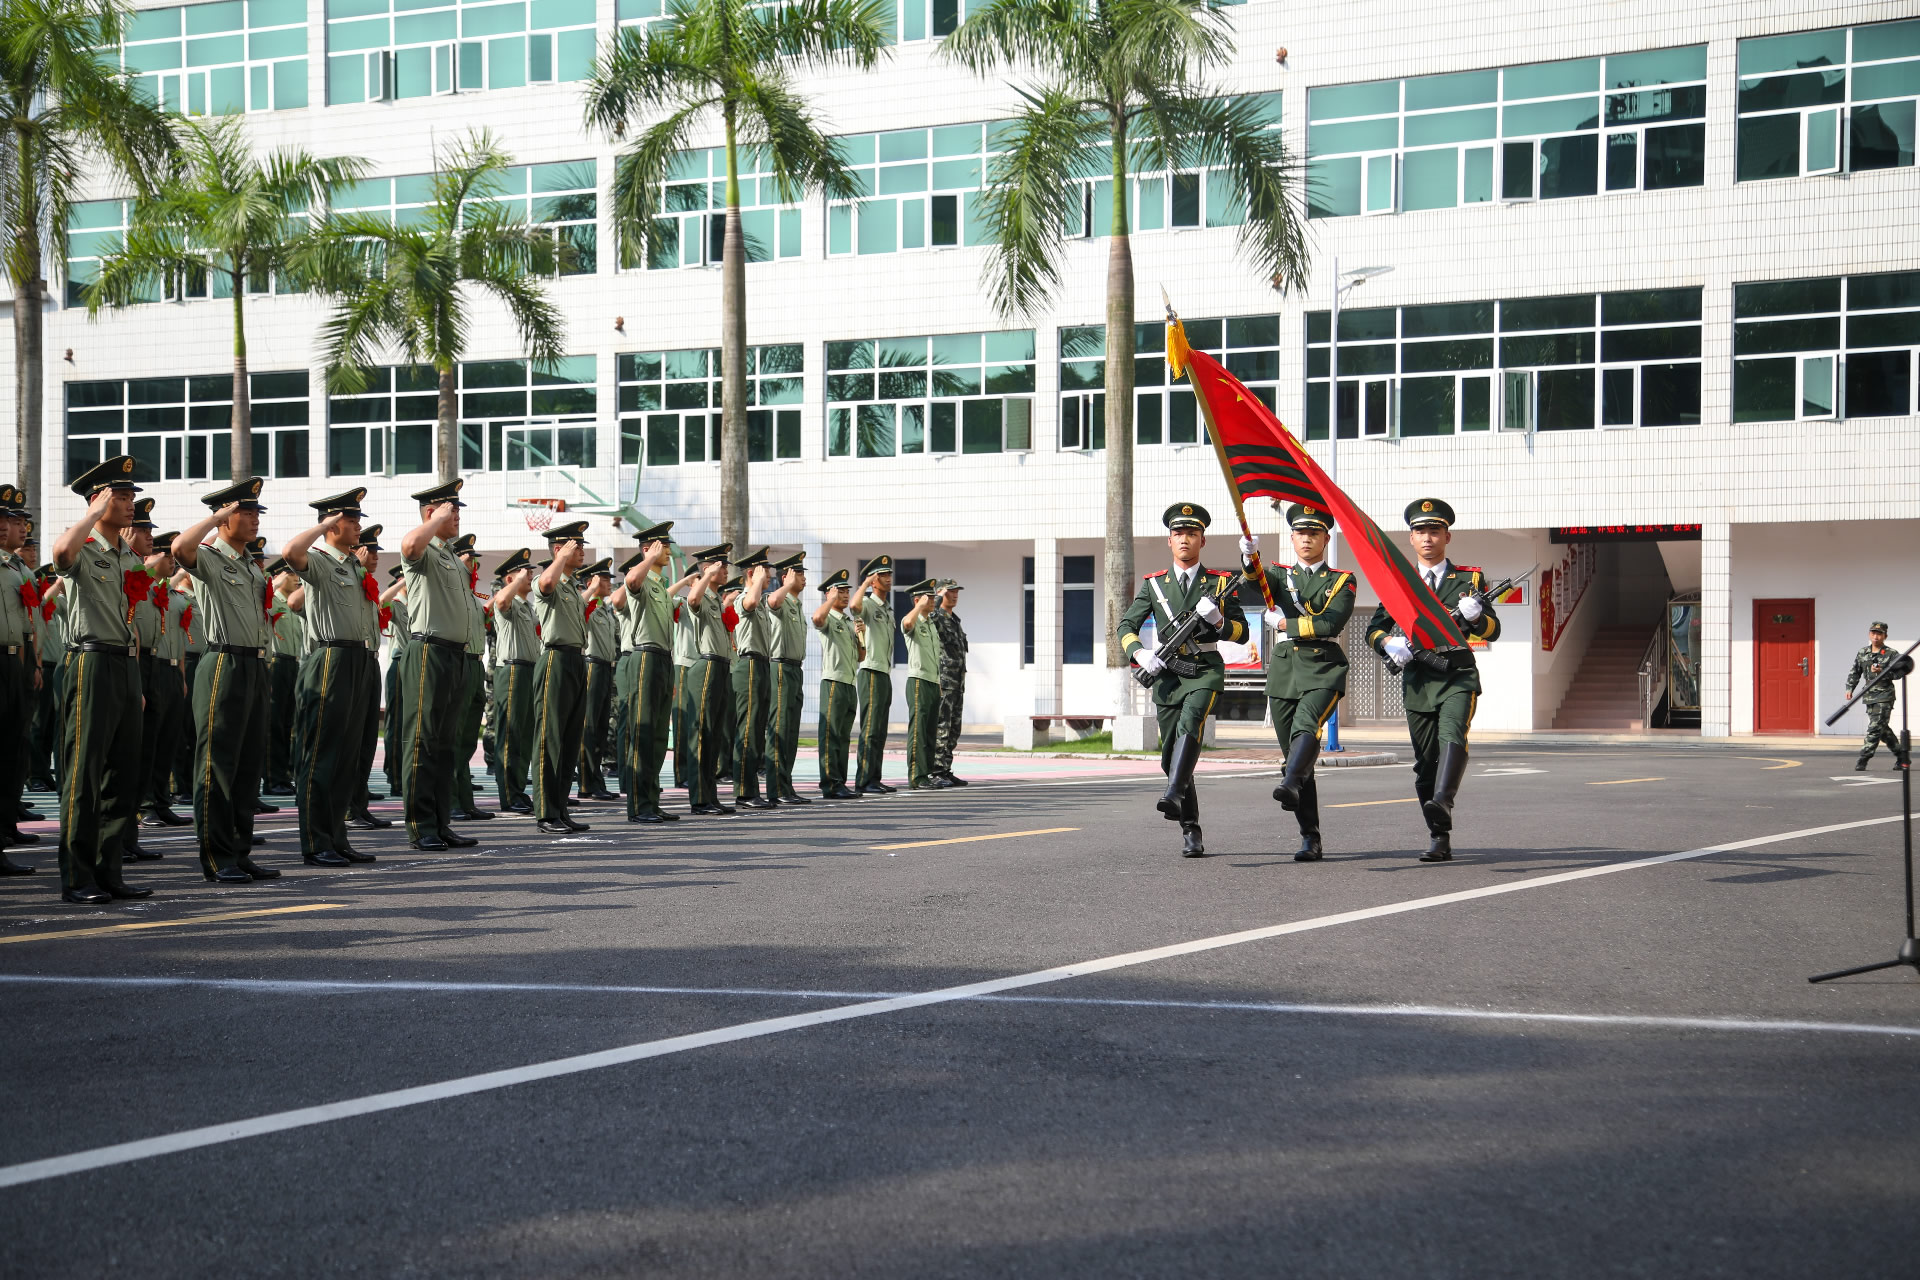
[1435,660]
[1179,632]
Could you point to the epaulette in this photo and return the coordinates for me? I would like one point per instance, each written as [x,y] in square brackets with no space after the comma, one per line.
[1342,578]
[1219,573]
[1466,568]
[1157,573]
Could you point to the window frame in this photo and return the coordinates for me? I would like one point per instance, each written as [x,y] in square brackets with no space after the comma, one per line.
[176,444]
[1843,110]
[843,415]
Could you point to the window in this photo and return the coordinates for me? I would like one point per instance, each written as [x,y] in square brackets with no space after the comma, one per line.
[1163,412]
[1629,359]
[1826,348]
[1026,626]
[691,230]
[97,228]
[1537,132]
[920,189]
[561,197]
[646,13]
[1076,610]
[378,50]
[1161,201]
[513,417]
[219,59]
[932,19]
[1807,107]
[948,393]
[387,429]
[670,405]
[180,428]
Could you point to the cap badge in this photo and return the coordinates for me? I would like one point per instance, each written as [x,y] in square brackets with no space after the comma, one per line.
[1186,511]
[126,465]
[1426,506]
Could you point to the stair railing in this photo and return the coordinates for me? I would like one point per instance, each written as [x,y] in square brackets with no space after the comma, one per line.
[1653,677]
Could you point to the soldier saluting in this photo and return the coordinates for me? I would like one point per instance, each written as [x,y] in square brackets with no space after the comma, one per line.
[1441,691]
[1188,678]
[1867,664]
[1306,667]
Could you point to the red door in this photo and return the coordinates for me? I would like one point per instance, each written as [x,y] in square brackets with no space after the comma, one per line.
[1783,666]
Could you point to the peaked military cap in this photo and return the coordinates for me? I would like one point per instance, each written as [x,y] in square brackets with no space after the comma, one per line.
[395,572]
[370,537]
[654,534]
[879,564]
[598,569]
[838,578]
[1881,627]
[114,473]
[520,559]
[798,560]
[278,567]
[463,545]
[626,566]
[925,587]
[752,559]
[1302,516]
[576,531]
[733,584]
[257,548]
[243,493]
[12,501]
[1425,511]
[448,492]
[1186,515]
[142,514]
[712,554]
[164,541]
[347,503]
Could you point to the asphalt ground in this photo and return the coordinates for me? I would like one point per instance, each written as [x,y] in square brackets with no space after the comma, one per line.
[1549,1057]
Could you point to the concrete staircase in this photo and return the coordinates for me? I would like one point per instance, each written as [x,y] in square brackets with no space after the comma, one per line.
[1605,695]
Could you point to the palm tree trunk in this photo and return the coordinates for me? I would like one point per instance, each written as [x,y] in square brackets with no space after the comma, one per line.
[28,356]
[734,524]
[242,388]
[446,439]
[1119,417]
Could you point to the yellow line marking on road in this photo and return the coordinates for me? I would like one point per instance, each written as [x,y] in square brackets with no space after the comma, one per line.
[1004,835]
[168,924]
[1361,804]
[1780,762]
[1621,782]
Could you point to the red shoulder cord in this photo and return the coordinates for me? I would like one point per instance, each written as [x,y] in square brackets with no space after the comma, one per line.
[369,588]
[186,621]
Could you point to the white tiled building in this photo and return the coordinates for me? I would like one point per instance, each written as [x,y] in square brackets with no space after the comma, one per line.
[1582,209]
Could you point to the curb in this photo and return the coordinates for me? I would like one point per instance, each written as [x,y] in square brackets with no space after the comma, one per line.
[1356,760]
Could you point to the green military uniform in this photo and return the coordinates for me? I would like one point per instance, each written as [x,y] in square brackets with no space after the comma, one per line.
[101,705]
[148,620]
[516,652]
[647,634]
[1440,704]
[923,688]
[1868,663]
[331,690]
[953,689]
[289,645]
[473,687]
[685,654]
[786,663]
[1182,702]
[19,664]
[602,649]
[753,639]
[41,773]
[167,716]
[1306,669]
[727,744]
[196,643]
[875,612]
[443,628]
[230,701]
[399,635]
[561,685]
[839,668]
[363,796]
[708,693]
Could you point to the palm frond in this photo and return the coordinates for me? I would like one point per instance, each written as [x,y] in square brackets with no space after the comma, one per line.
[1235,134]
[1057,37]
[639,172]
[1030,189]
[800,154]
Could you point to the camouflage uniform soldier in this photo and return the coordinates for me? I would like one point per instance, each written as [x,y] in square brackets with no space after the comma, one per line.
[953,684]
[1867,664]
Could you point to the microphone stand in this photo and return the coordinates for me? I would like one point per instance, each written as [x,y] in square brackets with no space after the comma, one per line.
[1909,954]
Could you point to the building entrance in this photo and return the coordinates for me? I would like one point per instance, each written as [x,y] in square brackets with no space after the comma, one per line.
[1783,670]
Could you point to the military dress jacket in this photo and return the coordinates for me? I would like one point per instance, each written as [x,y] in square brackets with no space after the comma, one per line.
[790,630]
[440,597]
[561,612]
[877,616]
[1867,664]
[231,595]
[1311,658]
[648,617]
[17,629]
[923,648]
[603,631]
[334,604]
[95,603]
[1422,687]
[839,647]
[1161,598]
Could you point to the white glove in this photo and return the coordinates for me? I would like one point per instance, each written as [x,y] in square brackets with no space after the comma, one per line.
[1398,649]
[1149,661]
[1249,547]
[1278,621]
[1470,608]
[1209,611]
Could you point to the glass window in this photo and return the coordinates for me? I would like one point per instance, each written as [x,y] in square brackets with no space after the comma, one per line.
[1161,201]
[670,405]
[181,428]
[388,49]
[560,198]
[1826,347]
[921,190]
[1076,610]
[1840,100]
[219,59]
[1164,411]
[691,228]
[513,417]
[1534,132]
[942,394]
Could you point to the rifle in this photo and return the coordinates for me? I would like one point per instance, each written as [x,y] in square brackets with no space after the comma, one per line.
[1178,633]
[1434,660]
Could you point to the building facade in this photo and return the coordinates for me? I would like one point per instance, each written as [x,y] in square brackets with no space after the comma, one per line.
[1650,325]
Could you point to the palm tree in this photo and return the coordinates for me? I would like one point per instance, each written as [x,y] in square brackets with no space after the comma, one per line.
[410,286]
[225,217]
[65,116]
[1118,87]
[733,59]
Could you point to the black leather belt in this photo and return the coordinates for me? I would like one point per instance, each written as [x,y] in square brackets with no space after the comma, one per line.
[146,655]
[340,644]
[564,648]
[711,657]
[237,651]
[516,662]
[441,642]
[791,662]
[101,646]
[598,662]
[654,648]
[12,649]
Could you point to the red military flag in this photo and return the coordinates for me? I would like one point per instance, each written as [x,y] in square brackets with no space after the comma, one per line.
[1260,459]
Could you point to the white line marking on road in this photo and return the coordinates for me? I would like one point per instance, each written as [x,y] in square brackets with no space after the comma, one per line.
[373,1104]
[305,986]
[1850,780]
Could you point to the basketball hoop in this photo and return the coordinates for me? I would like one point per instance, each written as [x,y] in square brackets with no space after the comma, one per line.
[540,512]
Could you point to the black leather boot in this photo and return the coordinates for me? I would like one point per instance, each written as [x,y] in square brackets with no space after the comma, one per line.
[1300,757]
[1439,849]
[1308,815]
[1446,784]
[1190,842]
[1181,759]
